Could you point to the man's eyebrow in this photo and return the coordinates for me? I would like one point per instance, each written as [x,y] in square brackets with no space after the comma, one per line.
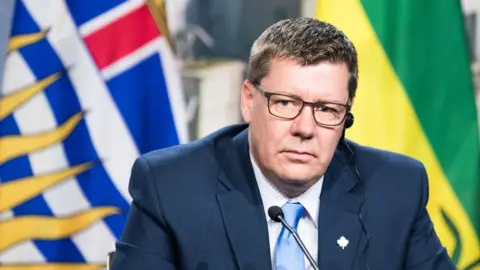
[315,101]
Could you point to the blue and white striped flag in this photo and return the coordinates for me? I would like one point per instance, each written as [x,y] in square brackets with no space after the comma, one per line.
[89,85]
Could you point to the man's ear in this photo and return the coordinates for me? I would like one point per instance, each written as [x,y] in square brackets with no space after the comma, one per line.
[246,100]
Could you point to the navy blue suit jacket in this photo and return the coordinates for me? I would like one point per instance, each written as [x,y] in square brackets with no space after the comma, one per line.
[197,206]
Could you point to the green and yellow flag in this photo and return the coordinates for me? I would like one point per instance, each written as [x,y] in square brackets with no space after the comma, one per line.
[416,97]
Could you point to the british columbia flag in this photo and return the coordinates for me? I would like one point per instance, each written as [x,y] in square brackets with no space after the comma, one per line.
[89,85]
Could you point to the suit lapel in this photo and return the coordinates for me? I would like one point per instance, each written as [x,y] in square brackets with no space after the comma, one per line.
[339,226]
[241,206]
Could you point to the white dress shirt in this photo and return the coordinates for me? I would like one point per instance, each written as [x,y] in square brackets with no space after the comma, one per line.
[307,226]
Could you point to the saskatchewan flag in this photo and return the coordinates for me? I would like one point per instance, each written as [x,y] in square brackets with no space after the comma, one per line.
[416,97]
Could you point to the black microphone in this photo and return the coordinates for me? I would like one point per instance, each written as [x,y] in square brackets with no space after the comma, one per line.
[276,214]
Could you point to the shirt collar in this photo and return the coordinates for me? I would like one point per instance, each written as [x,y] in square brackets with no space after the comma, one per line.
[310,199]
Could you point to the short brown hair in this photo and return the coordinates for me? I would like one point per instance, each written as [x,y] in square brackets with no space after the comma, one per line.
[307,41]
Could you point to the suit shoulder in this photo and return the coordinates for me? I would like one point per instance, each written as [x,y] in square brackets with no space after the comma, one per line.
[194,155]
[177,154]
[385,158]
[392,174]
[395,169]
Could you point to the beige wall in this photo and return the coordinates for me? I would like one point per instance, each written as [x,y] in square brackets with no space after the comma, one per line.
[473,6]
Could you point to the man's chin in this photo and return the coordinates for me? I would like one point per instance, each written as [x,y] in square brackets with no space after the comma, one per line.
[299,174]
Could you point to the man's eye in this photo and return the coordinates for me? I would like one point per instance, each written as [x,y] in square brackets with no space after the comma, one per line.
[285,103]
[325,109]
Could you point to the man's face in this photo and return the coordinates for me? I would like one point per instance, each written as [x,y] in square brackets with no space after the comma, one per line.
[298,151]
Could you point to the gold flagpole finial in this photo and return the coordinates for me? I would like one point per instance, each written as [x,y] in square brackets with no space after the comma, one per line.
[159,12]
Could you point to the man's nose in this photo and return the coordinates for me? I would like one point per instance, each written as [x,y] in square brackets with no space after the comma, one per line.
[304,124]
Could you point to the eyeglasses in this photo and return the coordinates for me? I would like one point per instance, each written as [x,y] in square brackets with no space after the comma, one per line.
[289,107]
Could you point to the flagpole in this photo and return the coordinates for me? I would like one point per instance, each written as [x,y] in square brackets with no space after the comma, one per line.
[6,16]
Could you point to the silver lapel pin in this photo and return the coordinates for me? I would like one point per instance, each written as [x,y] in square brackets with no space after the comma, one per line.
[342,242]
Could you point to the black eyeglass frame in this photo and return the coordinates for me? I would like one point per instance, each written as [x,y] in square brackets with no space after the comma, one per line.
[268,95]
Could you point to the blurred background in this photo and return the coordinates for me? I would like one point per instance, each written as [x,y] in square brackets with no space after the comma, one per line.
[87,86]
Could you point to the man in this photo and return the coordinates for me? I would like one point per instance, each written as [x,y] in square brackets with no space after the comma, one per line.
[204,205]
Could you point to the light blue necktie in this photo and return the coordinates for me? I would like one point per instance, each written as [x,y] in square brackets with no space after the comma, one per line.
[288,255]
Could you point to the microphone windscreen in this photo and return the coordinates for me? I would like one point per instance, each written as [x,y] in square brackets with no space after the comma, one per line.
[275,213]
